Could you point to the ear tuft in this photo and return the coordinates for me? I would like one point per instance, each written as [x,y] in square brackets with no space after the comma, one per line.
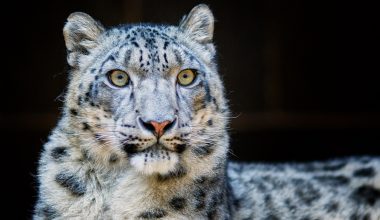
[81,33]
[199,24]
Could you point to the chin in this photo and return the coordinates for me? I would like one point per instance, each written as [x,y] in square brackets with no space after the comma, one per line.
[150,162]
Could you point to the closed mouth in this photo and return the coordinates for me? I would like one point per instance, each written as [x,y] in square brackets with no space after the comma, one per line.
[154,149]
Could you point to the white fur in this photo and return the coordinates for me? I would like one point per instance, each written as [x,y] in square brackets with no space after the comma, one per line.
[155,164]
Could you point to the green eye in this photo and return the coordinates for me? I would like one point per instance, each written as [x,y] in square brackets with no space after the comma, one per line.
[186,77]
[118,78]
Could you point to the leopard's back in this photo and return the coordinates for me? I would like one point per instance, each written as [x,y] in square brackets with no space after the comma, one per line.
[346,188]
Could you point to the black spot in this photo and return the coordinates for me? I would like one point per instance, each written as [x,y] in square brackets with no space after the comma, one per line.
[212,213]
[87,97]
[180,148]
[177,203]
[135,44]
[130,148]
[203,150]
[364,160]
[59,152]
[80,100]
[86,155]
[99,138]
[71,182]
[165,58]
[208,97]
[366,217]
[306,191]
[47,211]
[366,194]
[111,57]
[199,196]
[268,200]
[332,207]
[74,112]
[166,45]
[122,133]
[214,180]
[107,110]
[258,183]
[86,126]
[274,182]
[201,179]
[215,103]
[210,122]
[322,167]
[93,70]
[105,207]
[356,216]
[334,166]
[90,88]
[289,204]
[178,57]
[272,217]
[332,180]
[127,57]
[113,158]
[364,172]
[153,213]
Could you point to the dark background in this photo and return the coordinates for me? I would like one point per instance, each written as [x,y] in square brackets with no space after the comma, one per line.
[300,77]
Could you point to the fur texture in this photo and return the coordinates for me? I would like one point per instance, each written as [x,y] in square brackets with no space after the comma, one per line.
[103,161]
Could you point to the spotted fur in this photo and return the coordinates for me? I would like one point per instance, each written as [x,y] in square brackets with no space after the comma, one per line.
[337,189]
[103,161]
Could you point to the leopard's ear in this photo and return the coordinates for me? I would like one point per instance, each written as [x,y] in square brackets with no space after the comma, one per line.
[199,24]
[81,33]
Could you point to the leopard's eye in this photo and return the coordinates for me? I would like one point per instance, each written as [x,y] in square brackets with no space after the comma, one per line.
[118,78]
[186,77]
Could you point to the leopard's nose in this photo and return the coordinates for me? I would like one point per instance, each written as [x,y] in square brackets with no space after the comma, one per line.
[157,128]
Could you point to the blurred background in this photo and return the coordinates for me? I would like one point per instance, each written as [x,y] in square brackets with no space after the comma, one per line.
[299,76]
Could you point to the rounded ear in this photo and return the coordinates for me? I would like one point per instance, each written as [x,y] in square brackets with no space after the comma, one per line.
[81,33]
[199,24]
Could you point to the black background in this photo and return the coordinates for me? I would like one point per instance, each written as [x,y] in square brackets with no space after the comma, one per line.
[300,77]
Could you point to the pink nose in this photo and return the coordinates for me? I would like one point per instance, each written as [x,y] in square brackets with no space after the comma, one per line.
[159,127]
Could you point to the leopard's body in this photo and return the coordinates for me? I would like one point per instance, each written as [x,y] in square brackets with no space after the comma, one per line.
[104,160]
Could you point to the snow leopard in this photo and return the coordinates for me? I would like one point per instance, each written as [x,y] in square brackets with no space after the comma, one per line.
[144,135]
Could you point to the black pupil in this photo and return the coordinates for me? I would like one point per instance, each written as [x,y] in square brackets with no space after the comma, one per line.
[120,76]
[185,76]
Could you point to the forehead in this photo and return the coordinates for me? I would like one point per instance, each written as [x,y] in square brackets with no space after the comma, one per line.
[144,37]
[147,48]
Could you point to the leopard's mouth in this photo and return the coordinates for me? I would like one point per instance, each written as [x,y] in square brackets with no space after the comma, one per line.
[132,149]
[154,159]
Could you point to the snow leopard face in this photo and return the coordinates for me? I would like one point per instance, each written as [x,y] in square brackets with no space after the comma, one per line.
[146,96]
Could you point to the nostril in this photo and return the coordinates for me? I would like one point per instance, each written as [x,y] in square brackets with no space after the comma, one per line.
[147,126]
[169,125]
